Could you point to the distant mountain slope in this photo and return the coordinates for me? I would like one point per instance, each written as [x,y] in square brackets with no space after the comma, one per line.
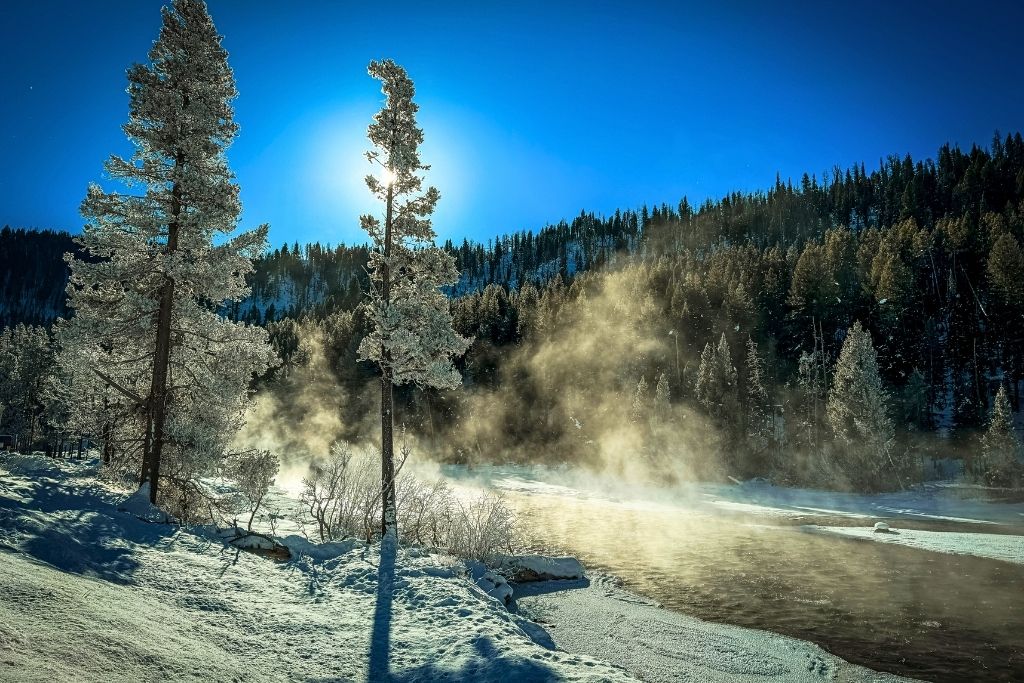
[32,275]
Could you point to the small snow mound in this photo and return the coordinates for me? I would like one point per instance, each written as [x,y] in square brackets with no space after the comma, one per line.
[298,545]
[138,505]
[524,568]
[26,463]
[495,586]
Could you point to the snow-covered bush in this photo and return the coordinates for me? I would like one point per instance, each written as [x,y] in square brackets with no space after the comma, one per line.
[483,529]
[426,511]
[253,472]
[341,498]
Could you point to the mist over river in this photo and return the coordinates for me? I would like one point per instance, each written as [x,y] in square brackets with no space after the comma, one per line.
[737,555]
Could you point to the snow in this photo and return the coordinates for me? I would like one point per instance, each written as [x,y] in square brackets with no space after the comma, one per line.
[523,568]
[138,505]
[94,594]
[941,501]
[599,619]
[91,593]
[1006,547]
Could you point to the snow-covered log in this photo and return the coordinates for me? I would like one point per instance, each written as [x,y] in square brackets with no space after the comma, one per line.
[523,568]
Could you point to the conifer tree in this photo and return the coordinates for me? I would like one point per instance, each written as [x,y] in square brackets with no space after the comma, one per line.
[716,378]
[412,339]
[638,403]
[662,396]
[757,409]
[1000,447]
[858,411]
[160,261]
[705,389]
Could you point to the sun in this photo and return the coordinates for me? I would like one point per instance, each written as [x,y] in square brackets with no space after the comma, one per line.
[387,177]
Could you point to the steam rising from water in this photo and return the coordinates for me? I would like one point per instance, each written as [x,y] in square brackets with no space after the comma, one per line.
[564,396]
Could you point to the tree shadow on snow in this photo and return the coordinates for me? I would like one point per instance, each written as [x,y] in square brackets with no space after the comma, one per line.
[380,638]
[489,666]
[80,531]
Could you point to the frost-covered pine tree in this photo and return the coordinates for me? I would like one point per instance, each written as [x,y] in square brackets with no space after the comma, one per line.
[638,402]
[412,339]
[162,257]
[662,396]
[757,413]
[716,378]
[1000,447]
[857,410]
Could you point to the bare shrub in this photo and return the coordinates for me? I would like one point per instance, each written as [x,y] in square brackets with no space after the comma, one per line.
[426,512]
[341,498]
[483,529]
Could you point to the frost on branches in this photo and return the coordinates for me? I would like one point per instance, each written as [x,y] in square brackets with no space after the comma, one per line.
[1000,447]
[146,339]
[857,409]
[412,339]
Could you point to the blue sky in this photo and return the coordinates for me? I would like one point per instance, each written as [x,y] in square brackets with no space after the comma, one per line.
[532,111]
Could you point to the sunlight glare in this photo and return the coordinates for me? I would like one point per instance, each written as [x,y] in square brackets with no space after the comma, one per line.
[387,177]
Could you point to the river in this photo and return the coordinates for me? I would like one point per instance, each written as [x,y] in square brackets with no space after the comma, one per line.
[928,615]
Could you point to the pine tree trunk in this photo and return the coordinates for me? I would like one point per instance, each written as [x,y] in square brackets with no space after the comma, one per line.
[162,355]
[147,446]
[389,521]
[108,447]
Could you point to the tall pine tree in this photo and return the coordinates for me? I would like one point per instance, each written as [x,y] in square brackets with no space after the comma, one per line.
[160,261]
[412,339]
[1000,447]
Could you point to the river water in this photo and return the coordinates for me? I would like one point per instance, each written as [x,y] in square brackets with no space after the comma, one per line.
[928,615]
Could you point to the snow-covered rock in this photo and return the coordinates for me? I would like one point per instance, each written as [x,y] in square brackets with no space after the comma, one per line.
[524,568]
[298,545]
[255,542]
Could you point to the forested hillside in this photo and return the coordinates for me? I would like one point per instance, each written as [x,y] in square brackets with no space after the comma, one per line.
[721,323]
[32,275]
[718,329]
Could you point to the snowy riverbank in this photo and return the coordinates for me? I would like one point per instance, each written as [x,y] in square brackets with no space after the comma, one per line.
[92,593]
[597,618]
[1005,547]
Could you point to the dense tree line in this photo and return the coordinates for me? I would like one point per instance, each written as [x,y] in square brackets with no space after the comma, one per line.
[926,256]
[33,275]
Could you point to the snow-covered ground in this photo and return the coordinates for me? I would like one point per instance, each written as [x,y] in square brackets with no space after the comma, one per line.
[1007,547]
[93,593]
